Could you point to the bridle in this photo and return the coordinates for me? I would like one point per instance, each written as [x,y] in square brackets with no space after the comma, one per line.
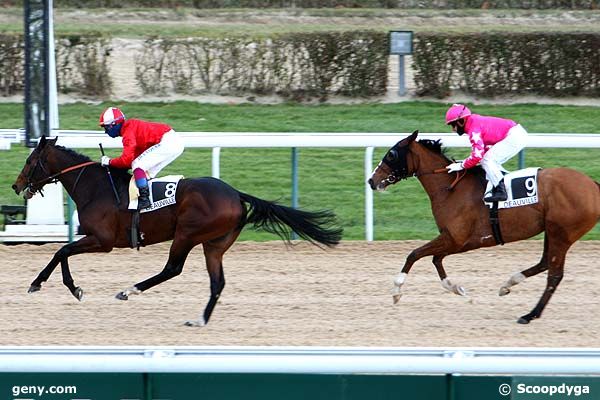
[51,178]
[397,163]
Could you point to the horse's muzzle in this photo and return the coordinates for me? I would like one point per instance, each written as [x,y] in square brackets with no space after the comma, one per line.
[380,187]
[26,191]
[370,182]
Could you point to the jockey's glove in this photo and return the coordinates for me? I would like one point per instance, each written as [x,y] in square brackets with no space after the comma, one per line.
[105,161]
[455,167]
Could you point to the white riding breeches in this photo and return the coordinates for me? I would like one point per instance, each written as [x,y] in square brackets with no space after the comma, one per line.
[498,154]
[155,158]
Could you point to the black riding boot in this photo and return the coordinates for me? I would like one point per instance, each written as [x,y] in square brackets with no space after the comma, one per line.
[144,199]
[498,193]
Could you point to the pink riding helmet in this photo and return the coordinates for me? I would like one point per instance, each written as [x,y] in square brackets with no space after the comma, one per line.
[456,112]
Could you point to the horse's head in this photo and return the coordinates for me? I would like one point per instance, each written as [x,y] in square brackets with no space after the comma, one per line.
[394,166]
[35,172]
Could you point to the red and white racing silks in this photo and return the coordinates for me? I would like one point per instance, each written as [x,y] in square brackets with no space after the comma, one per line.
[138,136]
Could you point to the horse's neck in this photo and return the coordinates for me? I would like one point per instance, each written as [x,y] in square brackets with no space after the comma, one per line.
[434,183]
[79,183]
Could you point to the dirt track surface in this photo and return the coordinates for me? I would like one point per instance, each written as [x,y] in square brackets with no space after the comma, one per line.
[302,296]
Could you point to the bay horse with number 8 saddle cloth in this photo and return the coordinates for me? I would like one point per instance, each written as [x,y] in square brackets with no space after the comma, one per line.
[565,207]
[207,211]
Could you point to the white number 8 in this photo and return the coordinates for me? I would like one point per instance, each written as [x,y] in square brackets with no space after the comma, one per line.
[530,186]
[170,189]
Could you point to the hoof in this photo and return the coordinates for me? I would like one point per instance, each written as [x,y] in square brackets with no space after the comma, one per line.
[34,288]
[503,291]
[527,318]
[459,290]
[122,296]
[396,294]
[78,293]
[200,323]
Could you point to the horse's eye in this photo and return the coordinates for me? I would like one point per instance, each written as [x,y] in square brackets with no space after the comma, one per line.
[392,155]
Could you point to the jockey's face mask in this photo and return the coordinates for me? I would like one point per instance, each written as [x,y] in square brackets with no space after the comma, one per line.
[459,126]
[113,130]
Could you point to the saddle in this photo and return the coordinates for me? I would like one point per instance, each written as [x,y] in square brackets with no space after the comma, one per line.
[162,194]
[521,189]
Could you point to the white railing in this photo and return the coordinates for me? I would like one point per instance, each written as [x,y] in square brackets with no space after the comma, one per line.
[218,140]
[311,360]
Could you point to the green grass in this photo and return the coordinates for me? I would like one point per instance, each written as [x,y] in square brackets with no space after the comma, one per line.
[182,22]
[328,178]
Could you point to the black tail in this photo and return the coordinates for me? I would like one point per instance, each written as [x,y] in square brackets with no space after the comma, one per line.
[317,226]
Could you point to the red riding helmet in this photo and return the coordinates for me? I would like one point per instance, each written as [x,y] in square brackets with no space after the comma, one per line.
[111,116]
[456,112]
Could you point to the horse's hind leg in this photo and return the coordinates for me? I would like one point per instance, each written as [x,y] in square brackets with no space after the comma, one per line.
[177,256]
[529,272]
[213,253]
[557,251]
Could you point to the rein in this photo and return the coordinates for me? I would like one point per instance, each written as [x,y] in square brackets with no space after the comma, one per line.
[459,175]
[392,178]
[54,177]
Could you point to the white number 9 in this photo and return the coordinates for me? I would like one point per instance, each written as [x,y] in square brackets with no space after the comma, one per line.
[530,186]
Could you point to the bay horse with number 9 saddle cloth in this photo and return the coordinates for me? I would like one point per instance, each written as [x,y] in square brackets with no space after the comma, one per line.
[207,211]
[562,202]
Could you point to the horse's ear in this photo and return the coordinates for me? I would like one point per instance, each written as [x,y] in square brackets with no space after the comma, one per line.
[52,142]
[413,136]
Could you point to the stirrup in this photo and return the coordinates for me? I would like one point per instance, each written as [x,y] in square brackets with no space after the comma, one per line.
[497,195]
[144,198]
[143,203]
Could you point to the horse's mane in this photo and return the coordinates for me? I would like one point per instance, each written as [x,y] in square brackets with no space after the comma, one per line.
[435,146]
[121,176]
[78,156]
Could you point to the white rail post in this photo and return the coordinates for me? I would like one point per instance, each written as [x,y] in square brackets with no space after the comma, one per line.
[216,162]
[368,195]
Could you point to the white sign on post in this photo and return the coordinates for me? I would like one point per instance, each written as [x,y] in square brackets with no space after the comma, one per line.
[401,43]
[47,209]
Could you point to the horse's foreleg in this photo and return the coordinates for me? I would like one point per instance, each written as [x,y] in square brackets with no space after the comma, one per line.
[436,246]
[43,276]
[520,276]
[87,244]
[446,284]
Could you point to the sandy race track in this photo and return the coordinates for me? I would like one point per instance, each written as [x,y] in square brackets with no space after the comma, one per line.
[300,296]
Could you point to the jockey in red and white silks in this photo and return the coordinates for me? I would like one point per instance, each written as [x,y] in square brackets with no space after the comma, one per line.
[493,140]
[148,147]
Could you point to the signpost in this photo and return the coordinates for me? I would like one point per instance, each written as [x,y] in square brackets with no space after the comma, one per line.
[401,44]
[41,108]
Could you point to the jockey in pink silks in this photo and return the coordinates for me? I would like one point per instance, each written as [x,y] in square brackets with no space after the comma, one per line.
[493,140]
